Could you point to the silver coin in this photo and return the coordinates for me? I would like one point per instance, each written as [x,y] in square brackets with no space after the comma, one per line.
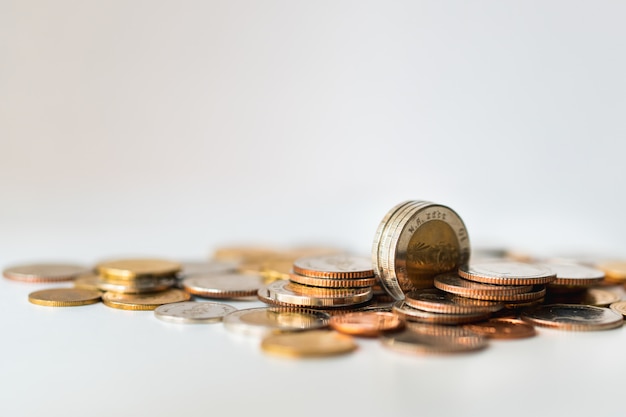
[231,285]
[282,292]
[263,320]
[192,312]
[573,317]
[574,274]
[44,272]
[136,286]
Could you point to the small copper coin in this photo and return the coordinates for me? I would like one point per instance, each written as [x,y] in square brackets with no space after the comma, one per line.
[230,285]
[507,273]
[437,301]
[571,274]
[44,272]
[503,328]
[144,301]
[64,297]
[402,309]
[453,283]
[334,266]
[420,338]
[312,343]
[137,267]
[573,317]
[366,323]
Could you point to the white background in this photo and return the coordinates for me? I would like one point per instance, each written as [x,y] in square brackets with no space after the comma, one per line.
[172,128]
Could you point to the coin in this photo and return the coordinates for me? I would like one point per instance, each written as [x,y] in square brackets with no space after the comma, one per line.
[281,292]
[312,343]
[380,233]
[571,274]
[507,273]
[503,328]
[451,282]
[424,239]
[231,285]
[136,286]
[262,320]
[600,297]
[64,297]
[148,301]
[420,338]
[334,266]
[193,312]
[332,283]
[135,268]
[44,272]
[615,271]
[437,301]
[573,317]
[189,268]
[366,323]
[87,282]
[619,307]
[409,313]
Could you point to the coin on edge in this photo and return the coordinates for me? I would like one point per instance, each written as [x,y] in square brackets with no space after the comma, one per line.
[503,328]
[366,323]
[262,320]
[148,301]
[193,312]
[573,317]
[44,272]
[64,297]
[312,343]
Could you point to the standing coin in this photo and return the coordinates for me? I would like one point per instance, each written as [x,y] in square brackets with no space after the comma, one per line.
[366,323]
[193,312]
[44,272]
[262,320]
[507,273]
[503,328]
[64,297]
[573,317]
[144,301]
[313,343]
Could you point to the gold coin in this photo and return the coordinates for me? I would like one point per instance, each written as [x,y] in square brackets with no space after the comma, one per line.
[144,301]
[44,272]
[409,313]
[334,266]
[366,323]
[87,282]
[615,270]
[64,297]
[312,343]
[135,268]
[503,328]
[507,273]
[619,307]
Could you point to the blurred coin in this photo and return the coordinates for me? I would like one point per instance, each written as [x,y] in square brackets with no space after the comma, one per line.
[133,268]
[276,269]
[507,273]
[619,307]
[230,285]
[87,282]
[600,297]
[282,292]
[437,301]
[192,312]
[334,266]
[451,282]
[409,313]
[44,272]
[503,328]
[64,297]
[615,271]
[573,317]
[312,343]
[366,323]
[263,320]
[243,253]
[570,274]
[136,286]
[420,338]
[189,268]
[332,283]
[148,301]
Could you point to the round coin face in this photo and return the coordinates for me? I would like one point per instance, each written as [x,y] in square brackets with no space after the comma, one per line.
[64,297]
[507,273]
[313,343]
[419,338]
[191,312]
[148,301]
[139,267]
[573,317]
[231,285]
[334,266]
[366,323]
[503,328]
[263,320]
[44,272]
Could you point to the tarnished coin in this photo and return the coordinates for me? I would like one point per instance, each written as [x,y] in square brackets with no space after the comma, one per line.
[423,239]
[332,283]
[615,271]
[282,292]
[262,320]
[420,338]
[231,285]
[44,272]
[339,266]
[619,307]
[571,274]
[406,312]
[437,301]
[507,273]
[574,317]
[503,328]
[148,301]
[312,343]
[64,297]
[193,312]
[366,323]
[137,267]
[451,282]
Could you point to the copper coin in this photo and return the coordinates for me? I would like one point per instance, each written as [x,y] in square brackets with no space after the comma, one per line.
[282,293]
[338,266]
[507,273]
[366,323]
[419,338]
[574,317]
[437,301]
[503,328]
[409,313]
[44,272]
[453,283]
[332,283]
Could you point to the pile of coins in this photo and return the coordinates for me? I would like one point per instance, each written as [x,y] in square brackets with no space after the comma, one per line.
[417,293]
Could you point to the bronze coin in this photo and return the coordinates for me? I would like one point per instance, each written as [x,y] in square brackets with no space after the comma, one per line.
[503,328]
